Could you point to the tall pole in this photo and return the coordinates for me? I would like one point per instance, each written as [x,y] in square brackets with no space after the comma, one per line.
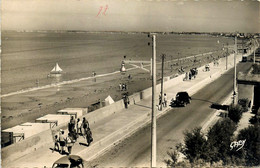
[254,51]
[153,131]
[161,105]
[227,58]
[235,72]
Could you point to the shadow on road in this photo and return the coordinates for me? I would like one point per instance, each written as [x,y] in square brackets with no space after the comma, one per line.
[203,100]
[143,106]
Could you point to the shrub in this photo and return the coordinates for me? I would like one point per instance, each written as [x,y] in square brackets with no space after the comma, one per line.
[252,145]
[244,104]
[219,139]
[235,113]
[196,146]
[173,158]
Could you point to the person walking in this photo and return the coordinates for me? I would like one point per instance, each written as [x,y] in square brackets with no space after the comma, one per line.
[85,125]
[165,100]
[62,141]
[69,142]
[123,87]
[120,87]
[160,99]
[78,125]
[126,100]
[72,124]
[190,75]
[186,76]
[89,136]
[56,144]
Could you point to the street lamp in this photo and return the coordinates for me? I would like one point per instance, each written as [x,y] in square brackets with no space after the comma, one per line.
[153,119]
[235,72]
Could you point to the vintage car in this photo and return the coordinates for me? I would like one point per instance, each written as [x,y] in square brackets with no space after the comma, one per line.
[182,99]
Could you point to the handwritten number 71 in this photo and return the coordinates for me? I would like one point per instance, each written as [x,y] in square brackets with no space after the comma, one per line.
[100,9]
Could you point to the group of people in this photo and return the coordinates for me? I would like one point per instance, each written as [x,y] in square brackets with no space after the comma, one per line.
[191,74]
[162,100]
[76,129]
[207,67]
[122,87]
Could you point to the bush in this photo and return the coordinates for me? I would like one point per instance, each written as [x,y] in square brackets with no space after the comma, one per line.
[245,103]
[196,146]
[219,139]
[235,113]
[173,158]
[254,119]
[252,145]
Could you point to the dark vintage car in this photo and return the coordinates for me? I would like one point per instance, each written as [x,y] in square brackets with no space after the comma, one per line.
[71,161]
[182,99]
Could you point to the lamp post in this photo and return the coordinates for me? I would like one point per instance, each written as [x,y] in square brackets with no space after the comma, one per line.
[254,51]
[235,73]
[153,124]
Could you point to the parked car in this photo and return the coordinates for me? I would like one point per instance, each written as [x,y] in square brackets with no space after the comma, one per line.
[71,161]
[182,99]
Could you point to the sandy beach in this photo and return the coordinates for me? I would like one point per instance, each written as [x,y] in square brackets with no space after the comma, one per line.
[99,53]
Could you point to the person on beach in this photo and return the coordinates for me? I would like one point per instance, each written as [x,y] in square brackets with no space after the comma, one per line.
[56,144]
[165,100]
[69,143]
[62,142]
[120,87]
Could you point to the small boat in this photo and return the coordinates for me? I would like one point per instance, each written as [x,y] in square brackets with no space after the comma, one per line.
[56,69]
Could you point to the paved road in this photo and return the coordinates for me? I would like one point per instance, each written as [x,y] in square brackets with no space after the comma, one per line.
[135,150]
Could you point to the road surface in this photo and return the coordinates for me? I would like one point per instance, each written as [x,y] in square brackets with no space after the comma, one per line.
[135,150]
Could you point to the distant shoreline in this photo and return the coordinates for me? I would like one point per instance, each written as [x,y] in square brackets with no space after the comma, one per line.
[214,34]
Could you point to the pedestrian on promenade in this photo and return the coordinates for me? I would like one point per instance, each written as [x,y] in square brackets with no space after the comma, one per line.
[160,99]
[79,123]
[85,125]
[186,76]
[56,144]
[69,143]
[126,100]
[89,136]
[72,124]
[62,141]
[190,75]
[165,100]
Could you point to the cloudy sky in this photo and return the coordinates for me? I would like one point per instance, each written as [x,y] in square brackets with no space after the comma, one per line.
[132,15]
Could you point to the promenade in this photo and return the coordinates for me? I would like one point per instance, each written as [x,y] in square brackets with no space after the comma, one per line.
[108,131]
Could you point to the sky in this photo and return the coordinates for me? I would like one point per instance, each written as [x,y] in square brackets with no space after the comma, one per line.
[132,15]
